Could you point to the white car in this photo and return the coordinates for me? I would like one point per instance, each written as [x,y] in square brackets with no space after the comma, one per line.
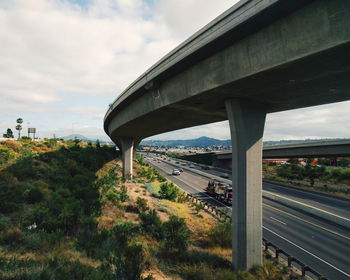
[176,172]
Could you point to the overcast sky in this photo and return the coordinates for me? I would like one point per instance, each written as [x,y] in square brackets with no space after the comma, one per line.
[63,61]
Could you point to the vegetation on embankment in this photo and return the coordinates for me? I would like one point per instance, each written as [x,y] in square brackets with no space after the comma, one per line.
[321,178]
[67,214]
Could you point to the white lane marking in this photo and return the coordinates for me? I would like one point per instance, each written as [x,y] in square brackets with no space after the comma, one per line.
[308,205]
[277,220]
[285,239]
[308,222]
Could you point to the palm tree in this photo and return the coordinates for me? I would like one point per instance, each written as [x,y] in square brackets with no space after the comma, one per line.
[19,128]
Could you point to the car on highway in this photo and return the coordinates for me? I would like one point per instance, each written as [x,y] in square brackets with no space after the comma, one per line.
[176,172]
[225,175]
[191,166]
[181,170]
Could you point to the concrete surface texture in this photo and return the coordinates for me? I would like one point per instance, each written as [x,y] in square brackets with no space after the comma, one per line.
[247,122]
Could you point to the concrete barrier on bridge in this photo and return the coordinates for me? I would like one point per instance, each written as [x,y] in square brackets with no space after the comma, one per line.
[325,215]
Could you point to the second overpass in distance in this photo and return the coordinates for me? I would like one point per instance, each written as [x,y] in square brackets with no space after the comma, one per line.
[334,148]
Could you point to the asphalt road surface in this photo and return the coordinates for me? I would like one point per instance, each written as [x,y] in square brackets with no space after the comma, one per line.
[317,243]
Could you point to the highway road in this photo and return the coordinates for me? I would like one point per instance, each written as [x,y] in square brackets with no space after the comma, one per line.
[317,243]
[336,205]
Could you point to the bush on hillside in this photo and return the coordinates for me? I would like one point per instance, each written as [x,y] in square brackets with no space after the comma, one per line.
[169,191]
[176,234]
[130,262]
[33,195]
[5,155]
[141,205]
[221,234]
[151,224]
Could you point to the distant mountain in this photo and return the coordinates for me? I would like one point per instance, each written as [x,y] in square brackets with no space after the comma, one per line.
[198,142]
[207,141]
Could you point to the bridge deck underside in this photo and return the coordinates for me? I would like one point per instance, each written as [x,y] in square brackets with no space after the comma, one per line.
[318,79]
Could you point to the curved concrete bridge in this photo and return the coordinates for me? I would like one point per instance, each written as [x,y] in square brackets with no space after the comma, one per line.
[258,57]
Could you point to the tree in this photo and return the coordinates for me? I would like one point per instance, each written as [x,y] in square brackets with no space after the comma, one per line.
[8,134]
[19,126]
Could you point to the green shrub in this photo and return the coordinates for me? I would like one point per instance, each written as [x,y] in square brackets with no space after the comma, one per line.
[11,237]
[123,195]
[113,196]
[151,224]
[130,263]
[33,195]
[182,198]
[5,155]
[141,204]
[221,234]
[176,234]
[168,191]
[124,232]
[5,222]
[269,271]
[140,160]
[10,197]
[59,269]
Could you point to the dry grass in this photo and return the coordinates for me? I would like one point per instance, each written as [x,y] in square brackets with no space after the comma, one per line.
[199,224]
[11,144]
[109,216]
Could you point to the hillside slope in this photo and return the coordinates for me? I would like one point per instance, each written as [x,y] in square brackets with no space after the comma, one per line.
[66,213]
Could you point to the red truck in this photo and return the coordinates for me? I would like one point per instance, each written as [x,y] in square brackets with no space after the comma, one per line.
[219,190]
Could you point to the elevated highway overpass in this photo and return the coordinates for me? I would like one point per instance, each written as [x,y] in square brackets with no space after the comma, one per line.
[319,149]
[258,57]
[334,148]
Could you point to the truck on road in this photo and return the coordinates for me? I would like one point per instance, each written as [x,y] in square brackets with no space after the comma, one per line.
[219,190]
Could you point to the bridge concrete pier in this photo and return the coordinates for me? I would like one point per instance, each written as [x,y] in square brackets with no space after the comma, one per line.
[127,151]
[247,122]
[136,143]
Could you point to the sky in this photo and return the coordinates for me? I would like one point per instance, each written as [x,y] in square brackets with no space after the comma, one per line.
[63,61]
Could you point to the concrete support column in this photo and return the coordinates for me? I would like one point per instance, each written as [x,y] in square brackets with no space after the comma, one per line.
[247,122]
[136,143]
[127,147]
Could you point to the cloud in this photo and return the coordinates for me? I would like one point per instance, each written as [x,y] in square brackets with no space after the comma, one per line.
[64,61]
[184,17]
[326,121]
[29,96]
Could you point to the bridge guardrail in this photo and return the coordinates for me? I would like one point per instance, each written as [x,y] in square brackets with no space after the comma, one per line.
[267,244]
[290,259]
